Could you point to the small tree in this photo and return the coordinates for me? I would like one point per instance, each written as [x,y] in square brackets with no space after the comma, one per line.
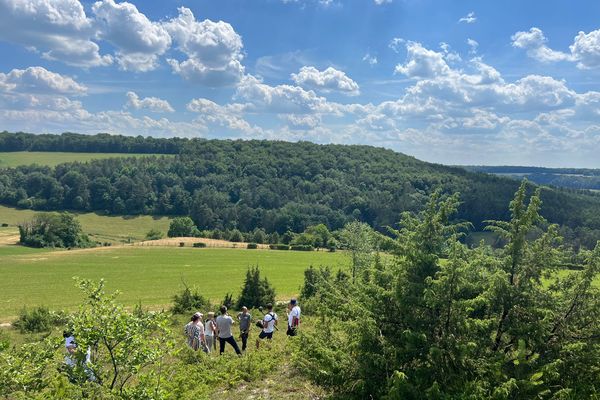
[236,236]
[127,347]
[357,237]
[182,226]
[154,234]
[53,230]
[255,292]
[187,301]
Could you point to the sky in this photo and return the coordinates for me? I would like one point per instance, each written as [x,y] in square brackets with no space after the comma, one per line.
[447,81]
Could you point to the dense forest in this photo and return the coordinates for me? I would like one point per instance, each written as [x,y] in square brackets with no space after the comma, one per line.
[277,186]
[573,178]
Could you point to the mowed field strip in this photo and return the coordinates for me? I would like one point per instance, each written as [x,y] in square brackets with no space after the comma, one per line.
[53,158]
[152,275]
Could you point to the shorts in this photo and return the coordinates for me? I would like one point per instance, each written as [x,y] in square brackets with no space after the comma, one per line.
[265,335]
[291,331]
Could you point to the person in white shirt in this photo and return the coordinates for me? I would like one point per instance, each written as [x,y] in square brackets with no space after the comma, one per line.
[269,325]
[293,318]
[210,331]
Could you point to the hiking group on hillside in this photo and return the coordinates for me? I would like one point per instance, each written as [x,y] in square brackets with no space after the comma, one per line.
[202,335]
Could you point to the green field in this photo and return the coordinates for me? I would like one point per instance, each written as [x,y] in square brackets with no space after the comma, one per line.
[100,227]
[151,275]
[52,158]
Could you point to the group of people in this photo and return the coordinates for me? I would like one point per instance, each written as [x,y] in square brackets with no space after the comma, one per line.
[202,335]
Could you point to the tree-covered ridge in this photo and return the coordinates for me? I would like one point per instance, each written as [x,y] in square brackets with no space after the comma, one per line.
[278,186]
[100,143]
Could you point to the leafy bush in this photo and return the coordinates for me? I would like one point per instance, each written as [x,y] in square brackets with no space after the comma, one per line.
[302,247]
[154,234]
[4,224]
[279,246]
[252,246]
[39,319]
[236,236]
[199,245]
[187,301]
[182,227]
[255,292]
[53,230]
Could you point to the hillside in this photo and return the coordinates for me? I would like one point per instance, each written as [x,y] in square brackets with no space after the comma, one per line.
[280,186]
[573,178]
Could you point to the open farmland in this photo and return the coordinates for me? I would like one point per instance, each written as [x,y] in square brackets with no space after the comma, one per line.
[147,274]
[102,228]
[53,158]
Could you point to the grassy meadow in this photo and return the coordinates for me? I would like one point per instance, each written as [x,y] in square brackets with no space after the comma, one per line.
[32,277]
[52,158]
[114,229]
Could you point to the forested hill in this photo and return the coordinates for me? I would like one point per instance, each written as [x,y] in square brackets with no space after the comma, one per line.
[278,186]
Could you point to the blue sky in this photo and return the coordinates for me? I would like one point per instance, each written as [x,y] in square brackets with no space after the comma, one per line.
[455,82]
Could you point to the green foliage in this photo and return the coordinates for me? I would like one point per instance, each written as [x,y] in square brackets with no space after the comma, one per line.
[256,292]
[154,234]
[302,247]
[252,246]
[182,227]
[199,245]
[312,281]
[187,301]
[478,324]
[39,319]
[53,230]
[236,236]
[358,238]
[124,344]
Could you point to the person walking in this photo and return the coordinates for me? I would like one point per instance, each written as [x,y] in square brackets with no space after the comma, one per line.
[224,323]
[210,331]
[293,318]
[245,319]
[269,324]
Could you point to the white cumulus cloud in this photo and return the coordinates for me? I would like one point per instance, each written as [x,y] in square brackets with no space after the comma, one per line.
[214,50]
[327,80]
[470,18]
[153,104]
[422,62]
[534,43]
[58,29]
[41,81]
[139,41]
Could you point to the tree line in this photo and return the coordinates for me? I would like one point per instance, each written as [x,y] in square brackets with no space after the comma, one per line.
[280,187]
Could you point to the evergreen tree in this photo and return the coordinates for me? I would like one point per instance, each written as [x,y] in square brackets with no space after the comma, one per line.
[256,292]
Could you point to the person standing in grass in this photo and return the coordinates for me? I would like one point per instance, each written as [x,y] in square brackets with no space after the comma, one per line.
[293,318]
[195,331]
[269,324]
[210,331]
[224,324]
[245,318]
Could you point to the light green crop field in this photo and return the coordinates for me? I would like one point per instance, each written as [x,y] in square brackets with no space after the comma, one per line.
[147,274]
[100,227]
[52,158]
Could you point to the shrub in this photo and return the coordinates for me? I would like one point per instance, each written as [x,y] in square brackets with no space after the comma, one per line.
[255,292]
[181,244]
[252,246]
[302,247]
[199,245]
[279,246]
[53,230]
[236,236]
[182,226]
[187,301]
[4,225]
[154,234]
[39,319]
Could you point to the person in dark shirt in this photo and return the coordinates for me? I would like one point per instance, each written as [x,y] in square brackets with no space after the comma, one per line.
[245,319]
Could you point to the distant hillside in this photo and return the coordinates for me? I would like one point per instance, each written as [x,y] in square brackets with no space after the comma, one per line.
[573,178]
[279,186]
